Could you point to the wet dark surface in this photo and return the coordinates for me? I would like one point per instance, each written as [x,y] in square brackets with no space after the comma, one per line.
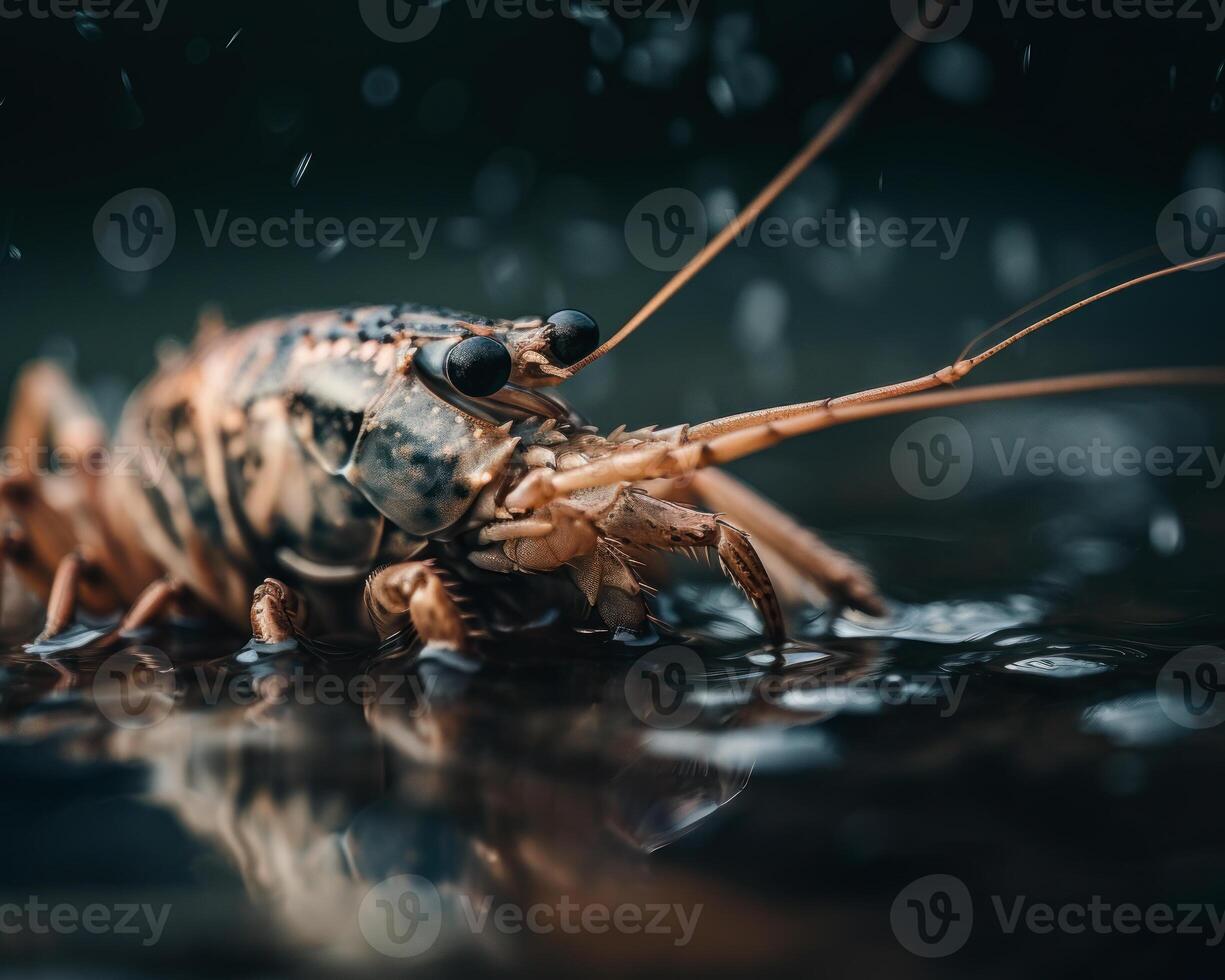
[1027,741]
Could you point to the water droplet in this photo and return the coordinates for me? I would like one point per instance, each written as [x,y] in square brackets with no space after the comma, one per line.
[880,181]
[126,80]
[233,38]
[1015,259]
[1025,59]
[958,72]
[300,172]
[14,253]
[761,316]
[381,86]
[1064,668]
[1165,533]
[721,94]
[595,81]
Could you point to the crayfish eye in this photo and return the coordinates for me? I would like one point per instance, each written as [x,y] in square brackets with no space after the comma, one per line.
[478,366]
[574,335]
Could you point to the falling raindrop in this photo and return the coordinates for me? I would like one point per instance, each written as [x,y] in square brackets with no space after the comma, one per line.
[332,249]
[381,86]
[87,27]
[126,80]
[14,253]
[298,174]
[1214,104]
[1025,58]
[595,81]
[233,38]
[880,181]
[721,95]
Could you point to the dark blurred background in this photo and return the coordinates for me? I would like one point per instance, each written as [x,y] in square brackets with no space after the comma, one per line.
[530,140]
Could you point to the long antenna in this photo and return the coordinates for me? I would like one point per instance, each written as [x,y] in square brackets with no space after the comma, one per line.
[867,89]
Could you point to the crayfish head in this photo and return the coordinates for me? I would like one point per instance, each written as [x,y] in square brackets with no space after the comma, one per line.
[542,350]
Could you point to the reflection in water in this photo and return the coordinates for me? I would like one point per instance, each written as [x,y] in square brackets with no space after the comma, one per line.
[320,778]
[767,814]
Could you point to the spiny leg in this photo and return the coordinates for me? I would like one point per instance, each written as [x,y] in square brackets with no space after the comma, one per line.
[837,575]
[415,591]
[640,520]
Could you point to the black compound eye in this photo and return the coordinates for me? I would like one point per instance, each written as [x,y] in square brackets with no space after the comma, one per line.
[478,366]
[574,336]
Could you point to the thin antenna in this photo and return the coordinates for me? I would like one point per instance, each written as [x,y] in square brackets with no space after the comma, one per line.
[867,89]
